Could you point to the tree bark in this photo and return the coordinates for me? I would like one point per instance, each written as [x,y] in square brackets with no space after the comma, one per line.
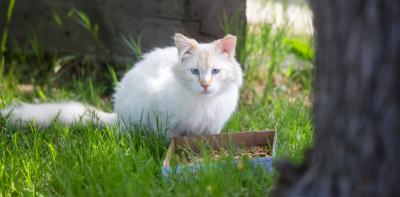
[357,103]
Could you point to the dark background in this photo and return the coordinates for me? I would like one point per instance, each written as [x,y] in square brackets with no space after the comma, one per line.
[58,26]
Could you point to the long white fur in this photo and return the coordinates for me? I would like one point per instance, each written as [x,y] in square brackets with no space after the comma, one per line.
[162,92]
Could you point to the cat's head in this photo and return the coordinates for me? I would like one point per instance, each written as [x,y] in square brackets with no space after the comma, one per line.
[208,68]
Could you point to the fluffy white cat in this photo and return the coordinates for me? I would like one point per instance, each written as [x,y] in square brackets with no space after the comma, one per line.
[190,89]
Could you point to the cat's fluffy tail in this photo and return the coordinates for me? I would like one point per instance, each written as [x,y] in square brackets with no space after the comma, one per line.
[67,113]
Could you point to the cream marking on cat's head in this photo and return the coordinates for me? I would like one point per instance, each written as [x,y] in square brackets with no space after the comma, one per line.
[204,59]
[207,68]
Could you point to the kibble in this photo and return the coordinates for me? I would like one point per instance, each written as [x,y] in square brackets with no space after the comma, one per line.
[251,152]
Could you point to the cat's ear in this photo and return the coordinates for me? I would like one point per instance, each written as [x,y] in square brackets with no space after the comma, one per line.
[227,45]
[185,45]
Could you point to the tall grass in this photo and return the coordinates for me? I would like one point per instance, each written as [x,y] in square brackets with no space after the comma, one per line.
[4,37]
[91,160]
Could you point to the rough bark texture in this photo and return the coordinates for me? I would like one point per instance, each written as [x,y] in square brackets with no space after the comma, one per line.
[155,21]
[357,103]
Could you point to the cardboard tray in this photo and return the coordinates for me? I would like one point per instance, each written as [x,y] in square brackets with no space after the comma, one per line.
[218,141]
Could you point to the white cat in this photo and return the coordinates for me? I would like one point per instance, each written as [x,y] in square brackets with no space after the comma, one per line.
[190,89]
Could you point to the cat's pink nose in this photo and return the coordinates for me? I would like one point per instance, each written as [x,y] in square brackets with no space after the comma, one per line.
[205,86]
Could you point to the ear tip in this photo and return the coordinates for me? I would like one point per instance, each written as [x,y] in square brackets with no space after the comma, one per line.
[230,36]
[178,35]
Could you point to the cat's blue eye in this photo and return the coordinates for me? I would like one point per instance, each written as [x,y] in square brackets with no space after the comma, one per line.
[215,71]
[195,71]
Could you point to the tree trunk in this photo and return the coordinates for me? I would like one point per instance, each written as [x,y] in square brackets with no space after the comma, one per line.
[357,103]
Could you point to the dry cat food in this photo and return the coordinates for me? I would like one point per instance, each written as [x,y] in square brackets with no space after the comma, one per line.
[188,156]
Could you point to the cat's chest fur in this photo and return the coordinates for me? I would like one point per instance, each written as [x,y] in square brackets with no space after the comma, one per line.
[156,93]
[197,116]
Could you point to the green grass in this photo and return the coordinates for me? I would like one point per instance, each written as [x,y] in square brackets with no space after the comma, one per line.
[89,160]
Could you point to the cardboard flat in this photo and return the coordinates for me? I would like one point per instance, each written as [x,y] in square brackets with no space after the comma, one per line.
[218,141]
